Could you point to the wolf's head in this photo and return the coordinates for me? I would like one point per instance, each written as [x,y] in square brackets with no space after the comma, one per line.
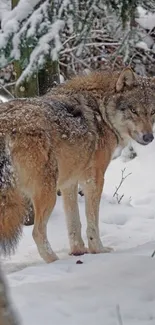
[131,108]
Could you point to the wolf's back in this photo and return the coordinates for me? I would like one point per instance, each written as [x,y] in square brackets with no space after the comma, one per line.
[11,202]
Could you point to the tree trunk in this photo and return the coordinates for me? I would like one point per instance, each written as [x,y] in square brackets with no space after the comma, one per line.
[14,3]
[49,76]
[27,88]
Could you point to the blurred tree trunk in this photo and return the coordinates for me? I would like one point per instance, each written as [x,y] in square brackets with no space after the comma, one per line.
[27,88]
[49,76]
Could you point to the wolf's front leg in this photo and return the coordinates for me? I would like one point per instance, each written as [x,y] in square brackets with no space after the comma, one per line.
[70,195]
[92,187]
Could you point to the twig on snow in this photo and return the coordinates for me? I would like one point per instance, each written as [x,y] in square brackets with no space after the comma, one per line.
[119,317]
[118,197]
[153,254]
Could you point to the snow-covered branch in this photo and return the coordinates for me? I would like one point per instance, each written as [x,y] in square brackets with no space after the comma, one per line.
[81,34]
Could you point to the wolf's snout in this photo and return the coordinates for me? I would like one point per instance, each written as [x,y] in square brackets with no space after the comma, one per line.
[148,137]
[143,138]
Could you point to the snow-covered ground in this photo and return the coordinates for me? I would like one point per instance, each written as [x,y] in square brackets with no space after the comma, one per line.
[105,285]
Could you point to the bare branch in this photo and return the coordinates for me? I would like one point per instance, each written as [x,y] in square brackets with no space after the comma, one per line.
[6,90]
[116,194]
[153,254]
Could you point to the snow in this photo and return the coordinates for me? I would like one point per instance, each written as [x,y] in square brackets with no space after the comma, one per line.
[21,11]
[5,6]
[142,45]
[23,22]
[3,99]
[68,293]
[146,19]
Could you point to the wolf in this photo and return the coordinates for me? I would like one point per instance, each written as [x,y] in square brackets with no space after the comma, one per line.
[63,139]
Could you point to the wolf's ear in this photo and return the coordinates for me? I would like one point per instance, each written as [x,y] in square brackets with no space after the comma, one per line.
[126,78]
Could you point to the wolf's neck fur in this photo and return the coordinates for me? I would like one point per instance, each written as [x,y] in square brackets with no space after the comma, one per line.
[106,117]
[100,85]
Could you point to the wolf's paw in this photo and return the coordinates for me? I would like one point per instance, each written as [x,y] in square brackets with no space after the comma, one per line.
[107,250]
[77,251]
[51,258]
[100,249]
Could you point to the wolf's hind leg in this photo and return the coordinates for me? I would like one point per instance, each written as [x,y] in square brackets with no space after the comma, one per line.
[43,202]
[70,195]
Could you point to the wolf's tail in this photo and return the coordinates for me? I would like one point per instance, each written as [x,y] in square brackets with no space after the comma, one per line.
[12,207]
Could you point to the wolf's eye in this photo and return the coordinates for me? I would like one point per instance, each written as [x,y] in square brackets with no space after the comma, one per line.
[133,110]
[153,112]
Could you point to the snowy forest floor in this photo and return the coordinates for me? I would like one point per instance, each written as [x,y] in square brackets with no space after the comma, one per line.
[66,293]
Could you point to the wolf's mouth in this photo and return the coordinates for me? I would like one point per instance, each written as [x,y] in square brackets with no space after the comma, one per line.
[144,139]
[143,143]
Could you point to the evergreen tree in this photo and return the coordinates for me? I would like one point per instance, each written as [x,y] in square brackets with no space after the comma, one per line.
[34,33]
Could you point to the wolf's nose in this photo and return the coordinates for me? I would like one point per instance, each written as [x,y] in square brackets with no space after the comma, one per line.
[148,137]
